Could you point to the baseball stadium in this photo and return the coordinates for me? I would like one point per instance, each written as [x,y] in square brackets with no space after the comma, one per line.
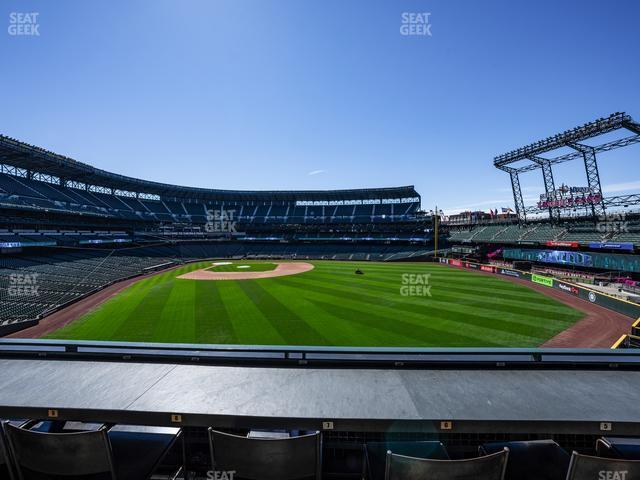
[285,240]
[94,255]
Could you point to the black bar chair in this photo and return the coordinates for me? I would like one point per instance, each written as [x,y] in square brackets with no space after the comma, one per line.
[6,465]
[267,458]
[532,460]
[103,454]
[490,467]
[586,467]
[618,447]
[375,454]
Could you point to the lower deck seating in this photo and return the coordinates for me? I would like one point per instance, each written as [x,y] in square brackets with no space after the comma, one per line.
[275,455]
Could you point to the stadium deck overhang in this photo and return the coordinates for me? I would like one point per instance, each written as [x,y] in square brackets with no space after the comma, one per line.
[31,158]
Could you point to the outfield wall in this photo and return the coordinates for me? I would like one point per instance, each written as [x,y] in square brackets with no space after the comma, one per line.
[612,303]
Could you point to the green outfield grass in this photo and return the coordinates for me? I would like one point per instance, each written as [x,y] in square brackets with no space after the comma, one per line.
[329,305]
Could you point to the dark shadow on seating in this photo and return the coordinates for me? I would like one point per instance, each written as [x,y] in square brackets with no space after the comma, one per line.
[89,455]
[532,460]
[375,454]
[585,467]
[490,467]
[266,459]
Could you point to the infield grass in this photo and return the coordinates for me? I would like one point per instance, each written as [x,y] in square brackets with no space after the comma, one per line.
[328,305]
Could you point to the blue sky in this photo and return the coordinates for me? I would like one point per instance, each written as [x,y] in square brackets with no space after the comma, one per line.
[301,94]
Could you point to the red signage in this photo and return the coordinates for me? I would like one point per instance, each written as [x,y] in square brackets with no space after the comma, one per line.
[456,263]
[563,244]
[571,201]
[487,268]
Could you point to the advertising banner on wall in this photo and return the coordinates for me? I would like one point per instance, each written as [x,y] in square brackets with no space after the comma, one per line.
[508,272]
[568,288]
[606,261]
[546,281]
[563,244]
[612,245]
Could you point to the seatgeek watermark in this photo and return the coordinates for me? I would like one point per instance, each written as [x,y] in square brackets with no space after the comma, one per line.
[415,285]
[612,223]
[24,24]
[613,475]
[220,221]
[415,24]
[221,475]
[23,285]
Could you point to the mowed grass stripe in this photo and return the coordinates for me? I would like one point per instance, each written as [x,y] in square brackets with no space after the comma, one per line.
[526,311]
[451,311]
[329,305]
[176,319]
[477,327]
[396,329]
[419,335]
[212,321]
[92,325]
[337,330]
[289,325]
[477,285]
[250,325]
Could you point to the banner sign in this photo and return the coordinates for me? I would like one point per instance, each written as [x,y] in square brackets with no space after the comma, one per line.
[473,266]
[509,273]
[567,197]
[568,288]
[455,263]
[486,268]
[26,244]
[95,241]
[563,244]
[612,245]
[546,281]
[607,261]
[571,202]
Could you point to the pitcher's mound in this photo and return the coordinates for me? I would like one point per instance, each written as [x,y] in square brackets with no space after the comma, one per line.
[281,270]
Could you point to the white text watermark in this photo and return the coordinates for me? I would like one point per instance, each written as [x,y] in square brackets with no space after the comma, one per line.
[415,24]
[24,24]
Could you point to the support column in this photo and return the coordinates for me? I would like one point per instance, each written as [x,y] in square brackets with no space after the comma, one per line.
[593,176]
[517,196]
[549,185]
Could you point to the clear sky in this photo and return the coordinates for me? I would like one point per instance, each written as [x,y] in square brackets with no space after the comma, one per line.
[302,94]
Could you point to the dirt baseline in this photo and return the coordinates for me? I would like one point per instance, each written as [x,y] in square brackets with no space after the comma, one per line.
[281,270]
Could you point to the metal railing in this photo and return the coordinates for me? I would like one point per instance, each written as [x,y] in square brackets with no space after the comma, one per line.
[317,356]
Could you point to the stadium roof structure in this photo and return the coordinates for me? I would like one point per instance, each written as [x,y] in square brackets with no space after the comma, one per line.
[572,139]
[36,159]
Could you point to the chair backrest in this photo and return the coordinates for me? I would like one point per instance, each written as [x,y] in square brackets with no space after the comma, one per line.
[267,459]
[66,454]
[586,467]
[376,453]
[532,459]
[490,467]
